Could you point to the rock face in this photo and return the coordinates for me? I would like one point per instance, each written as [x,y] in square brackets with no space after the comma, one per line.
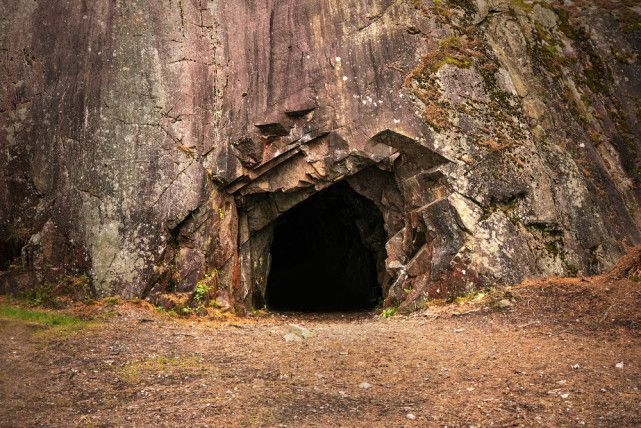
[154,144]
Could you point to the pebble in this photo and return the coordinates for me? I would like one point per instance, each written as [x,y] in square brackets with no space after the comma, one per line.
[410,416]
[291,337]
[619,365]
[300,331]
[504,304]
[365,385]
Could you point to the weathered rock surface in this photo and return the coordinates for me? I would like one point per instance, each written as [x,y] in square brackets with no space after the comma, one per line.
[151,143]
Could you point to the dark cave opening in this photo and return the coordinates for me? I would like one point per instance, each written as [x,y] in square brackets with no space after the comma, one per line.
[326,254]
[10,250]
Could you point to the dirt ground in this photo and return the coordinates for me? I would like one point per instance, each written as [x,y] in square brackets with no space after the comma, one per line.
[560,352]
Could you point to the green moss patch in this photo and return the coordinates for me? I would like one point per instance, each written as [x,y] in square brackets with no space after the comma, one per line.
[452,61]
[521,4]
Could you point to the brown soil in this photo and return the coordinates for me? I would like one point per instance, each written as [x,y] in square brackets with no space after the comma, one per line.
[549,359]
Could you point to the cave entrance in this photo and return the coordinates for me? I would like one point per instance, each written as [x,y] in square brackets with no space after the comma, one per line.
[10,250]
[327,253]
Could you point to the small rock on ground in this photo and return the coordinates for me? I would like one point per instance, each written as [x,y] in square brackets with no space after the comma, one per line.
[300,331]
[291,337]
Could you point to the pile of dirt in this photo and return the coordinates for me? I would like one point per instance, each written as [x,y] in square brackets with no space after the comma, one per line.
[612,299]
[628,267]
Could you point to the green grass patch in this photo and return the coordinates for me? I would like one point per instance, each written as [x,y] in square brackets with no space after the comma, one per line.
[133,372]
[46,318]
[51,321]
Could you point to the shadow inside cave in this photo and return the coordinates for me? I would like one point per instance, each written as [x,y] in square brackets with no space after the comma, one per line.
[324,254]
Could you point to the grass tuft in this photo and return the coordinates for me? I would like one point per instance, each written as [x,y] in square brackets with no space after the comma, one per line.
[53,322]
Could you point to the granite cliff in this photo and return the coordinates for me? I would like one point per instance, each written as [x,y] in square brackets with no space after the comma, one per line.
[150,146]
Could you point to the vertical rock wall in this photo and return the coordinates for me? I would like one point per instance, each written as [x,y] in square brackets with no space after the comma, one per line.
[150,145]
[108,108]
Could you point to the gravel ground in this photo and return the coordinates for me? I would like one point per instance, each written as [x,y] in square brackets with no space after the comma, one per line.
[561,352]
